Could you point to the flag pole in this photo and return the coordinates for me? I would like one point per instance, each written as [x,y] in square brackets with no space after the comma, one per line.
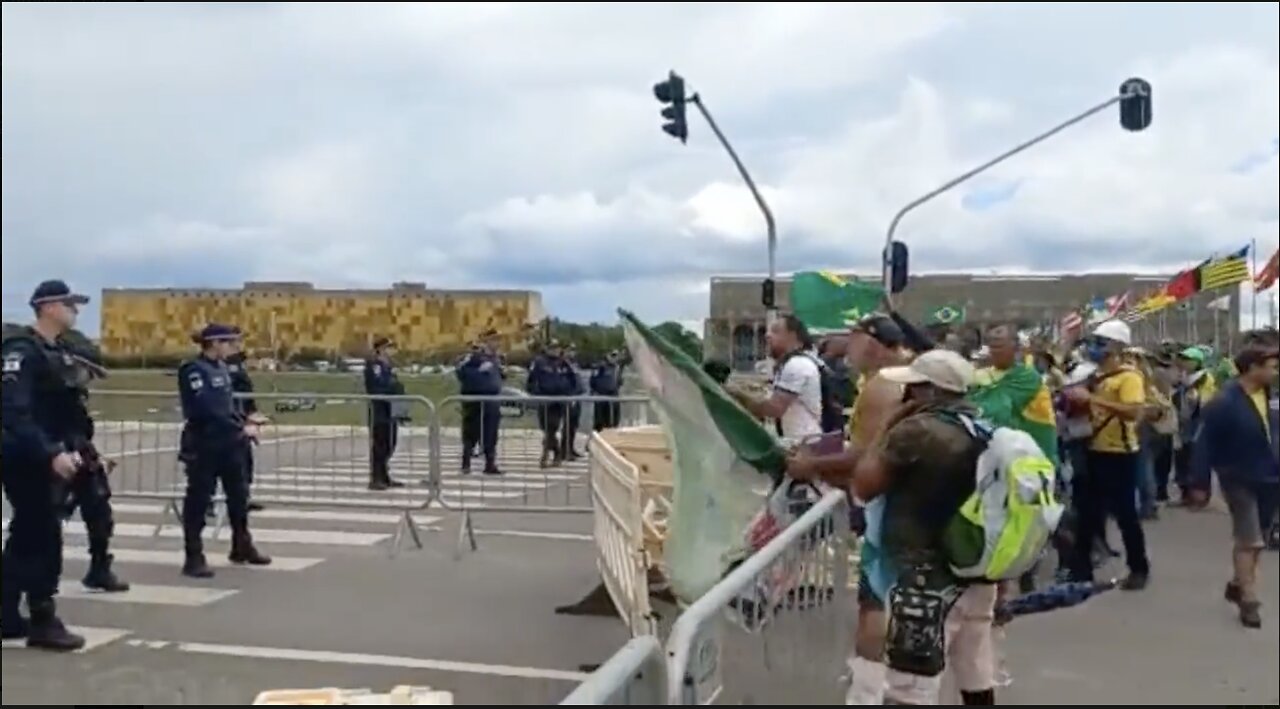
[1253,282]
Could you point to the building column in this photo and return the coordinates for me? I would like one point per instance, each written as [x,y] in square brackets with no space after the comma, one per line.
[733,336]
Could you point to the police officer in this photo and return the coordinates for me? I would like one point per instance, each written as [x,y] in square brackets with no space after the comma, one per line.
[576,387]
[90,490]
[212,447]
[606,380]
[547,379]
[480,374]
[380,380]
[41,407]
[242,383]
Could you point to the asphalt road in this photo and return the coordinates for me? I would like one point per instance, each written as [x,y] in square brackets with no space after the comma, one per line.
[340,610]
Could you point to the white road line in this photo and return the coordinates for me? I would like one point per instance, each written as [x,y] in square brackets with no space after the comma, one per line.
[148,594]
[174,558]
[266,536]
[359,489]
[551,536]
[353,658]
[294,515]
[476,480]
[94,638]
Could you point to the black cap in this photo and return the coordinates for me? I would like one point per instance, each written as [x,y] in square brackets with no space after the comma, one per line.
[215,332]
[882,328]
[56,291]
[383,342]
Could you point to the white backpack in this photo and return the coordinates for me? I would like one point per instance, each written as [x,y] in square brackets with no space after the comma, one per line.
[1001,530]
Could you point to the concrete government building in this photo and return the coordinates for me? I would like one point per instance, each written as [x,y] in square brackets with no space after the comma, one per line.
[292,316]
[734,332]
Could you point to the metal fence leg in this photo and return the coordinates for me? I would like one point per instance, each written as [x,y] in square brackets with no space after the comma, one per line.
[407,523]
[466,535]
[171,508]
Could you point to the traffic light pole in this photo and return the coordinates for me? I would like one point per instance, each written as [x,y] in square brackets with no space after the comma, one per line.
[959,179]
[771,314]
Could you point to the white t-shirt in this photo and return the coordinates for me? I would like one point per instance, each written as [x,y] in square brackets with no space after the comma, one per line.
[801,376]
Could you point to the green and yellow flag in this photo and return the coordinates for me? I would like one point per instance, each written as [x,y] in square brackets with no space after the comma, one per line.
[827,303]
[1017,398]
[946,315]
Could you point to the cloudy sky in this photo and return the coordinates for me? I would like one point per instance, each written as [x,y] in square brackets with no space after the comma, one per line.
[518,145]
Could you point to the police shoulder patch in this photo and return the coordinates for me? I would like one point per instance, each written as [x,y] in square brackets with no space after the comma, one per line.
[13,363]
[194,380]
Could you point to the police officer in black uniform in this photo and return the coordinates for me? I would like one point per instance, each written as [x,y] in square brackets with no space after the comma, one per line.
[90,490]
[480,374]
[212,447]
[576,387]
[242,383]
[380,380]
[606,380]
[547,379]
[41,408]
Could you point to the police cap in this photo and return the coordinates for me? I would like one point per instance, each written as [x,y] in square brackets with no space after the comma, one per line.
[56,291]
[215,332]
[383,343]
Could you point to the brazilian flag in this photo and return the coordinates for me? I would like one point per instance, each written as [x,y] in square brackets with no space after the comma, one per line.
[946,315]
[826,303]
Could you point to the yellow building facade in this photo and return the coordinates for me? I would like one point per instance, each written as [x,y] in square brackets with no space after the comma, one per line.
[290,317]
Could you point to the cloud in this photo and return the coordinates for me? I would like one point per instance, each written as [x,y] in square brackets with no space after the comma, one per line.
[516,144]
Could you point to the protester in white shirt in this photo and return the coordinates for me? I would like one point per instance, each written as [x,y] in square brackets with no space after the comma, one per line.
[795,399]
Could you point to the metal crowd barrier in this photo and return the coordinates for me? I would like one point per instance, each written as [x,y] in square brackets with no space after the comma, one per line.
[636,675]
[540,449]
[303,459]
[777,629]
[621,555]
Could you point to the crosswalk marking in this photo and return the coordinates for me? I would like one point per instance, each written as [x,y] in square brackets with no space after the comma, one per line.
[294,515]
[94,638]
[499,482]
[267,536]
[174,558]
[152,594]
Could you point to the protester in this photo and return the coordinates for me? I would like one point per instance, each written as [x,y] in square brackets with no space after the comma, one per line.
[1195,388]
[1117,401]
[795,400]
[1238,438]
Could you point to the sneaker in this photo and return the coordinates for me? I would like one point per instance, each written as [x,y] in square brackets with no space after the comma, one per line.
[1135,582]
[1232,593]
[1251,615]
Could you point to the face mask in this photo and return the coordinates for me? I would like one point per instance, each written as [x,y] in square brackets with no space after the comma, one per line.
[1095,352]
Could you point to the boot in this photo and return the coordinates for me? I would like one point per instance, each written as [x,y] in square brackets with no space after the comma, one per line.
[394,483]
[244,552]
[101,577]
[196,566]
[985,698]
[254,506]
[378,485]
[545,461]
[491,467]
[12,624]
[48,633]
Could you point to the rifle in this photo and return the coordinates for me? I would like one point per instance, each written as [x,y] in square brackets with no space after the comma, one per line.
[92,471]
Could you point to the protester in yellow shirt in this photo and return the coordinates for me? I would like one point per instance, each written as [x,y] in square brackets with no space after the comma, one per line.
[1117,402]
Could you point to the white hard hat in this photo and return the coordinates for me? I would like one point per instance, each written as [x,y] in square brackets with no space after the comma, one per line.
[1115,331]
[942,368]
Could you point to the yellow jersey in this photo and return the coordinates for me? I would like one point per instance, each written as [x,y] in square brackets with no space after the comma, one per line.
[1111,433]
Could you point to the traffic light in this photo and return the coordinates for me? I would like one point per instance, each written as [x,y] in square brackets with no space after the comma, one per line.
[896,257]
[1135,104]
[671,92]
[767,294]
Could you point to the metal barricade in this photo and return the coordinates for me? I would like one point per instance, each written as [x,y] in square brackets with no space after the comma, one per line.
[788,630]
[537,446]
[635,675]
[618,518]
[316,452]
